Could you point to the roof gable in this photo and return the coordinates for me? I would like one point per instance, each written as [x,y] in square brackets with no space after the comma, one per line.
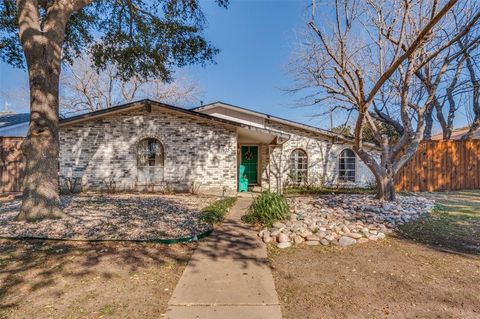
[137,105]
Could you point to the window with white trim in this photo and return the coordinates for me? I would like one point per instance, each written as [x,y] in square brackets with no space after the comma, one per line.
[149,153]
[298,167]
[150,162]
[347,166]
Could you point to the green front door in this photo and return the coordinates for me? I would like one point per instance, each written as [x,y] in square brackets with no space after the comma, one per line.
[250,161]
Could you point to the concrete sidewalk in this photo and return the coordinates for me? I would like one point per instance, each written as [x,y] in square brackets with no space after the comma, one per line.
[228,276]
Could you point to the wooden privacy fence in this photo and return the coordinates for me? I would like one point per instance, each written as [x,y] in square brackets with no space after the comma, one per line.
[11,164]
[442,165]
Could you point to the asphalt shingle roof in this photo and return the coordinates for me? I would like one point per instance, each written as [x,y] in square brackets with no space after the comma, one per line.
[9,119]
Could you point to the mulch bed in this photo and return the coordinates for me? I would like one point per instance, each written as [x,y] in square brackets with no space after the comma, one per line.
[113,217]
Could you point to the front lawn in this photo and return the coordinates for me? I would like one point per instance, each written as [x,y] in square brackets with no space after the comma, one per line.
[55,279]
[454,225]
[430,270]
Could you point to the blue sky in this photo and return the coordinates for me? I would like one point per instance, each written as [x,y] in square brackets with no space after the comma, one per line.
[256,38]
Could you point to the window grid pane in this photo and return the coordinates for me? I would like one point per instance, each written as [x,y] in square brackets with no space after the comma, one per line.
[298,167]
[149,153]
[347,166]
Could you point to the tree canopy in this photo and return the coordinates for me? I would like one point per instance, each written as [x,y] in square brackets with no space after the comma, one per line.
[384,62]
[145,39]
[141,38]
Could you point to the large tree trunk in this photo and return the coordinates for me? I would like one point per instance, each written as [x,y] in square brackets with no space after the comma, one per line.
[42,40]
[41,146]
[385,187]
[384,176]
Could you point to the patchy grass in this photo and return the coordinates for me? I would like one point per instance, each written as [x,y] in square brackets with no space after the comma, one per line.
[435,275]
[391,278]
[216,211]
[58,279]
[453,225]
[107,310]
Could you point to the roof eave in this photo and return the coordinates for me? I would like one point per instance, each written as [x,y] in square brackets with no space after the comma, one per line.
[139,105]
[273,118]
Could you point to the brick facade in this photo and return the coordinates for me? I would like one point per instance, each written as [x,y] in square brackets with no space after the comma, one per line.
[201,153]
[198,153]
[323,161]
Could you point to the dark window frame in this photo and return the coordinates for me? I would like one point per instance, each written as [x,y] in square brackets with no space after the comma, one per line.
[347,166]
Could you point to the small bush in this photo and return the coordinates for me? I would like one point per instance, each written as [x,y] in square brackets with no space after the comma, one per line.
[267,209]
[215,212]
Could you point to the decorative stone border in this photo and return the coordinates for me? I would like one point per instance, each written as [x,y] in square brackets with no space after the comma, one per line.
[161,241]
[343,219]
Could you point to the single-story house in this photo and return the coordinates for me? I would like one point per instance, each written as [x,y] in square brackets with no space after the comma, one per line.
[147,145]
[457,135]
[14,124]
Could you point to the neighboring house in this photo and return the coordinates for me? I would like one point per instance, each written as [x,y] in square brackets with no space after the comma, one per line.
[457,134]
[147,145]
[14,125]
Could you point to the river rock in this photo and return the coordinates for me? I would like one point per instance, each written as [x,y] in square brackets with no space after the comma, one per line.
[346,241]
[282,238]
[284,245]
[354,235]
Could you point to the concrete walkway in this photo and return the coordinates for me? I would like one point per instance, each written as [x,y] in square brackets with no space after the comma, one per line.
[228,276]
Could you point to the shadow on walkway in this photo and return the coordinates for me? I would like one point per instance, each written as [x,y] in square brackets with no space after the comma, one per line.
[228,275]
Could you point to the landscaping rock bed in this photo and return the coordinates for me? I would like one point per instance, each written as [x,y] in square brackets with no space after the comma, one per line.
[343,219]
[113,217]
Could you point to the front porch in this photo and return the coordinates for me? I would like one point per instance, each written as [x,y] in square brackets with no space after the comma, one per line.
[254,147]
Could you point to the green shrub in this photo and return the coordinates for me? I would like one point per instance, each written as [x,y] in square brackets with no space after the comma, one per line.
[215,212]
[267,208]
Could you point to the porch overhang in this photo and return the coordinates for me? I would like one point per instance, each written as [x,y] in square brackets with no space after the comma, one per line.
[253,134]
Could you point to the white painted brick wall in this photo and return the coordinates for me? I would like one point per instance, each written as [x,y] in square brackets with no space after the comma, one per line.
[322,159]
[103,151]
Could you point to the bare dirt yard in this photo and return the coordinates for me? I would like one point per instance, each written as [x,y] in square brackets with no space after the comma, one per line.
[107,279]
[53,279]
[429,269]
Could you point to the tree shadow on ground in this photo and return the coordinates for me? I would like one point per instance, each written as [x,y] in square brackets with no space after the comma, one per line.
[453,226]
[234,240]
[121,216]
[59,268]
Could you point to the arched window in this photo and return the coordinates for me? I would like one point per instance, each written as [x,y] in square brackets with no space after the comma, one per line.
[150,157]
[298,167]
[149,153]
[347,166]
